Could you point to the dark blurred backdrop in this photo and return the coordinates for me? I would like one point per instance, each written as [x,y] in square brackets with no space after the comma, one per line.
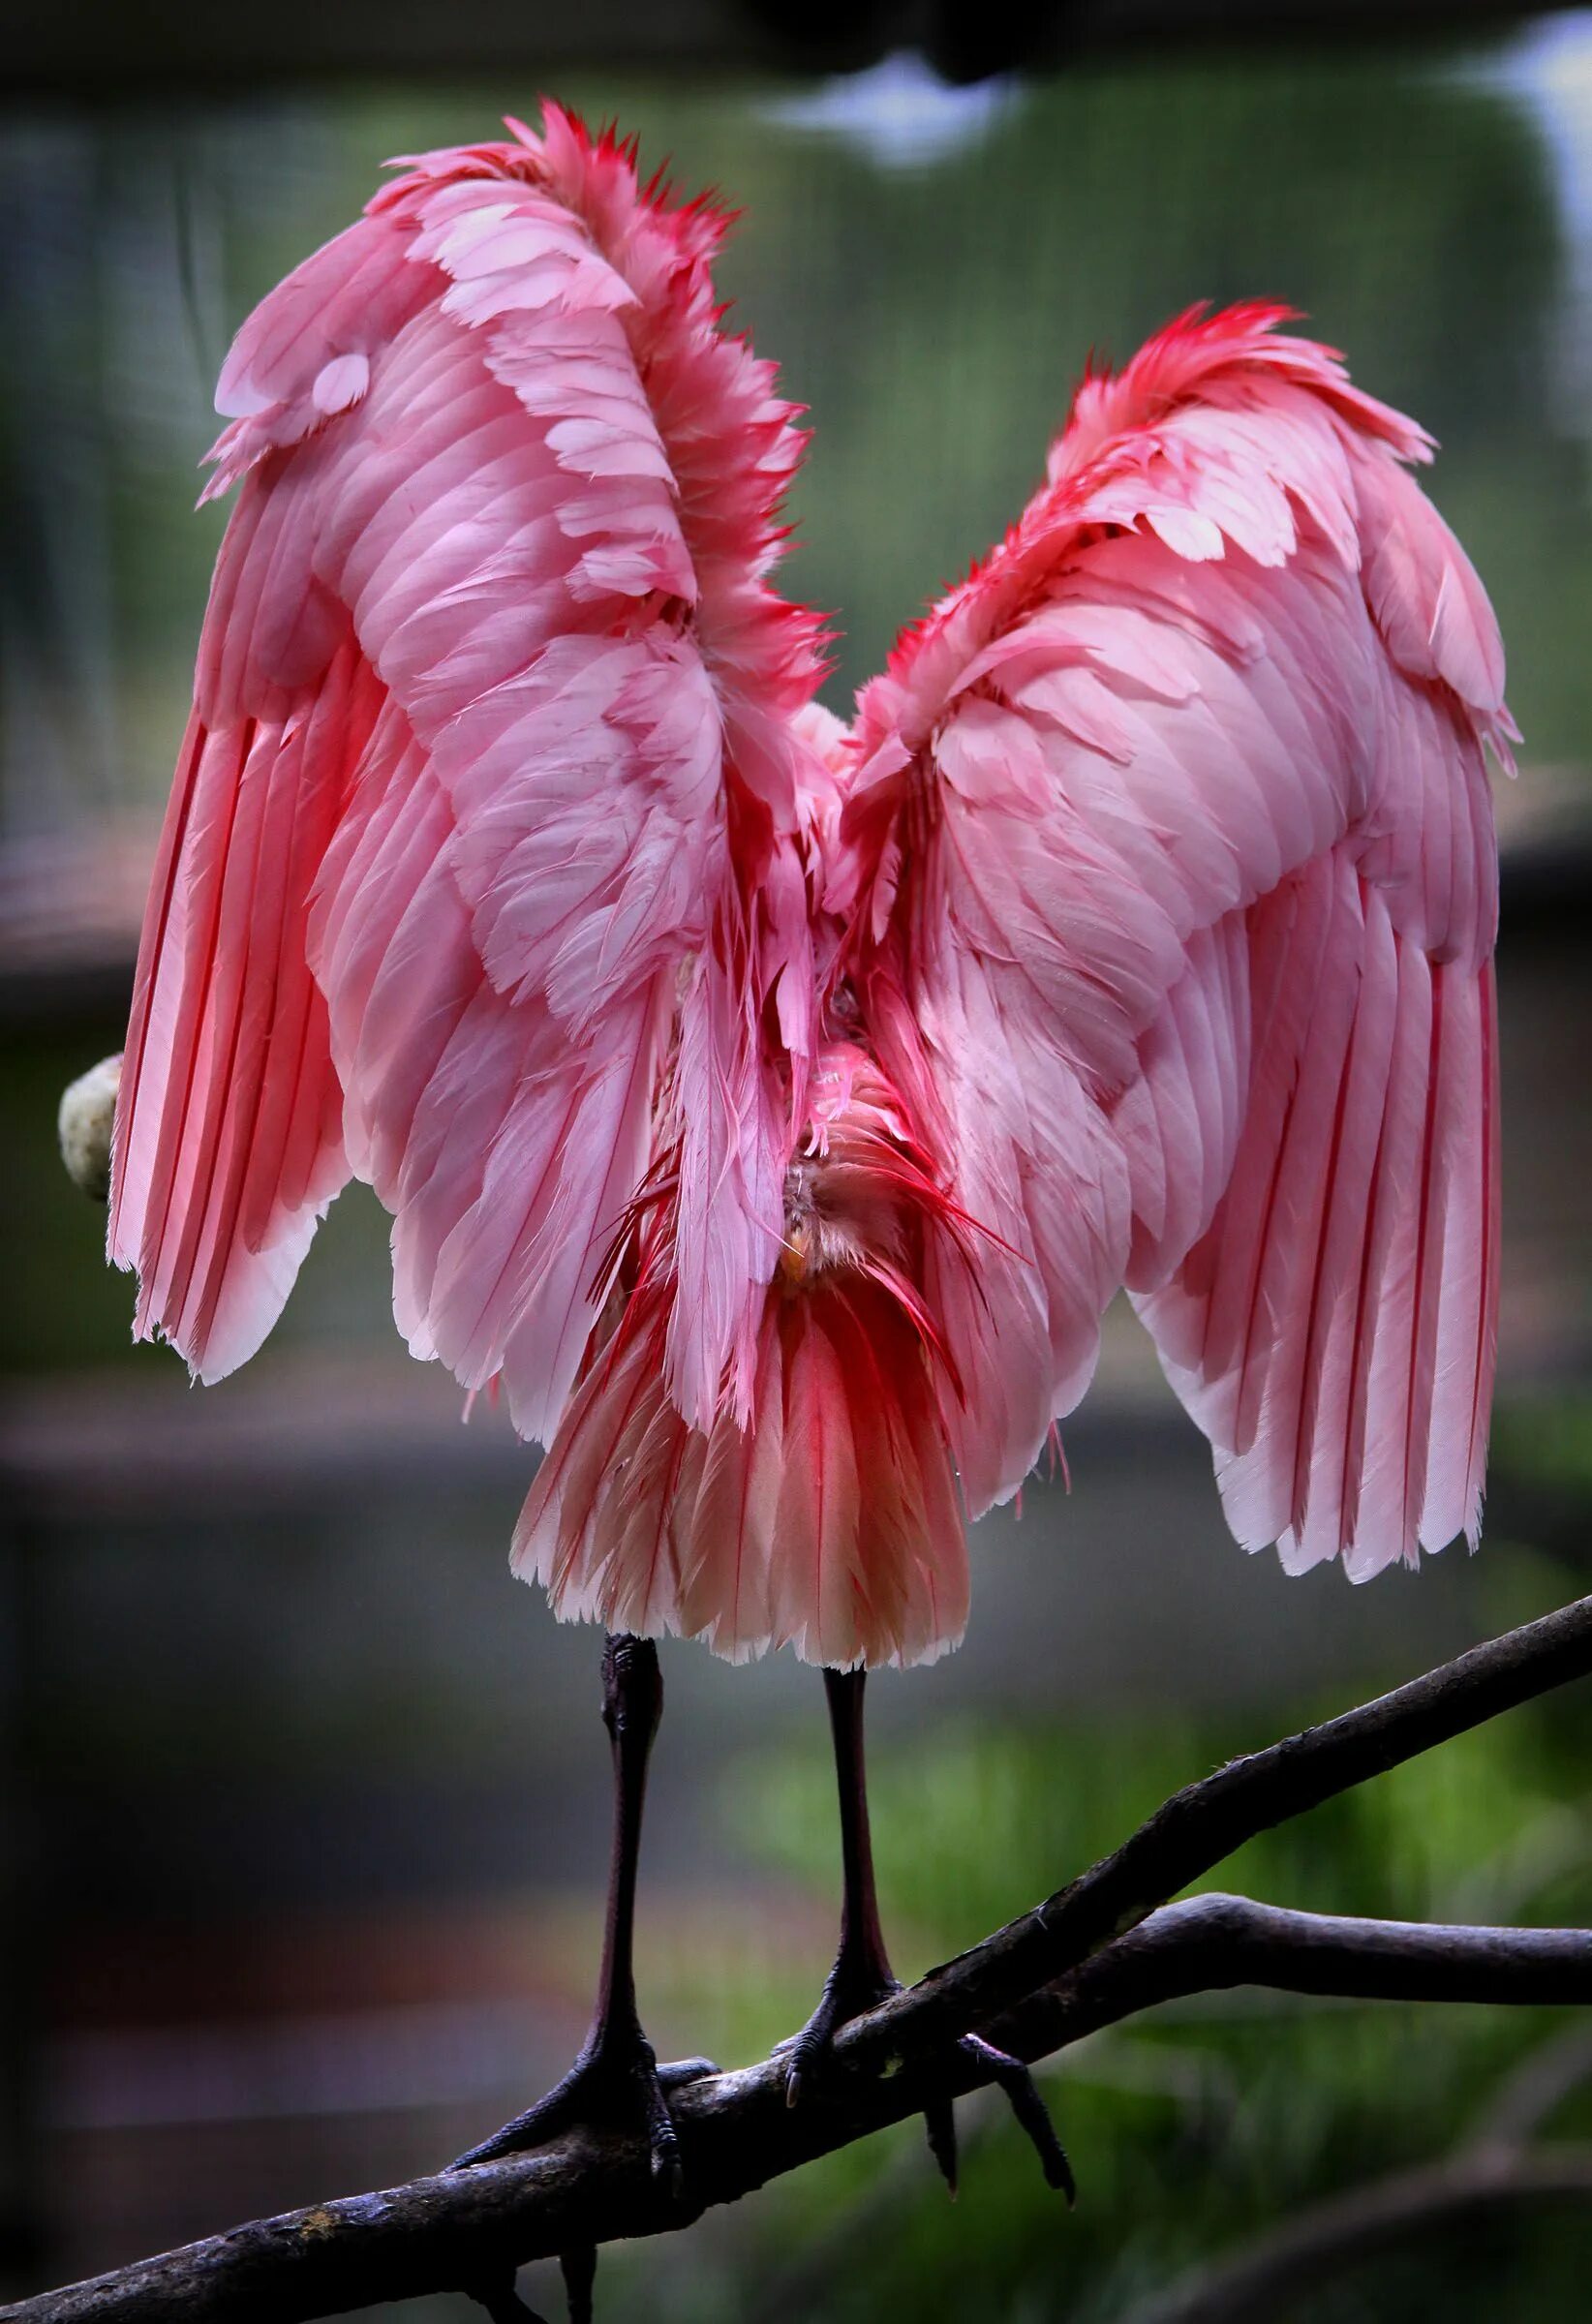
[304,1799]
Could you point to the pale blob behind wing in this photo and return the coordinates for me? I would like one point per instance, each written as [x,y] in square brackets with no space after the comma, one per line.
[1172,855]
[471,883]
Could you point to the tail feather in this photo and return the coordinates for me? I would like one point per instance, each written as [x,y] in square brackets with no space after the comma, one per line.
[830,1524]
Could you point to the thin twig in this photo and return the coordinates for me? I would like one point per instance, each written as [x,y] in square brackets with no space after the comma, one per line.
[1090,1956]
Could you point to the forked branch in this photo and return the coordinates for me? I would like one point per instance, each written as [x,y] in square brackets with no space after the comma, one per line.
[1101,1949]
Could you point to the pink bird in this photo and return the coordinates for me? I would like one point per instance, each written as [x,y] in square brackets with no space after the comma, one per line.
[773,1109]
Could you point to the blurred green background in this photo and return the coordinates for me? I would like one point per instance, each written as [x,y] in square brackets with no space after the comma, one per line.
[305,1799]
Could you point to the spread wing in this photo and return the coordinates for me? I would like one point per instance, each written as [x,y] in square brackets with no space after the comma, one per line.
[1172,856]
[471,883]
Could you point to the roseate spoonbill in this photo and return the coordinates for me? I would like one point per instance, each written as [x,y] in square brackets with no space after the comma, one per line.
[772,1108]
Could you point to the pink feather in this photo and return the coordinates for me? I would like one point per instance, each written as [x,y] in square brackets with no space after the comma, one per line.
[492,758]
[774,1107]
[1174,875]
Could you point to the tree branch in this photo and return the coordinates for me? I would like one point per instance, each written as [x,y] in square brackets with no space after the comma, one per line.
[1211,1944]
[1088,1956]
[1205,1822]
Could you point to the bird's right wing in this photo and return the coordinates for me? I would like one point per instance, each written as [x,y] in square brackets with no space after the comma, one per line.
[1172,867]
[476,880]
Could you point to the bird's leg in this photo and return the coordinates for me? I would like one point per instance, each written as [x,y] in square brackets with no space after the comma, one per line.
[862,1977]
[616,2082]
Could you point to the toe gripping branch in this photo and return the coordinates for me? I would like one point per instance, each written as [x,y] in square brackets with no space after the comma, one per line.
[862,1977]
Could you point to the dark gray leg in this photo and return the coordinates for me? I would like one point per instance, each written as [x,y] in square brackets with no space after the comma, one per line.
[616,2082]
[862,1977]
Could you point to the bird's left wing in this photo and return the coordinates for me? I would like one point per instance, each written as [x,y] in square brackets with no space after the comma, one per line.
[476,880]
[1171,867]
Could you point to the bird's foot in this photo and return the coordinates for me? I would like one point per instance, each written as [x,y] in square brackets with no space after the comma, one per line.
[1033,2115]
[851,1991]
[617,2084]
[853,1987]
